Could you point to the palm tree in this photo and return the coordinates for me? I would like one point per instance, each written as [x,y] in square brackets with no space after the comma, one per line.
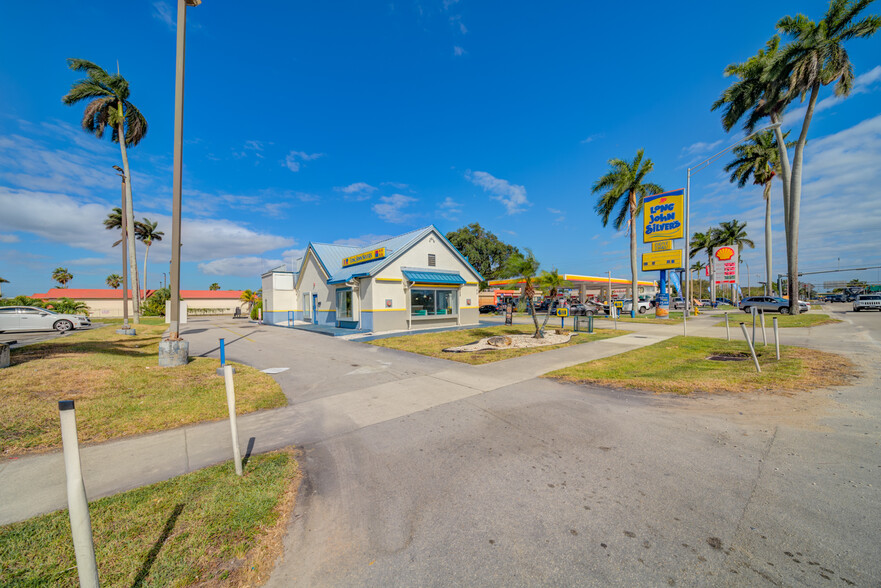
[109,106]
[525,267]
[697,267]
[815,58]
[214,286]
[2,281]
[146,234]
[706,242]
[759,159]
[553,282]
[114,281]
[250,298]
[623,187]
[62,276]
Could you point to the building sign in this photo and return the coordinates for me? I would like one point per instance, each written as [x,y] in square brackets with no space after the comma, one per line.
[371,255]
[662,246]
[662,260]
[663,216]
[725,264]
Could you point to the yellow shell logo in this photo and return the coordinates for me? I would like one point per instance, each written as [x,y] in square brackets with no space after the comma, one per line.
[725,254]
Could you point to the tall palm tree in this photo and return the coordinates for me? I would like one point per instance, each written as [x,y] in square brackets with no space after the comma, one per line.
[62,276]
[697,267]
[114,221]
[214,286]
[109,106]
[525,267]
[114,281]
[553,282]
[815,58]
[624,187]
[759,160]
[2,281]
[146,234]
[706,242]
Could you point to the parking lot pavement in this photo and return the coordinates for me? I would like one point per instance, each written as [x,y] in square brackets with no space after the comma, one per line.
[18,339]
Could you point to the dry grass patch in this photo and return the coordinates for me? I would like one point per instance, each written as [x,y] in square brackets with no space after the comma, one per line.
[433,344]
[209,527]
[680,365]
[118,388]
[783,320]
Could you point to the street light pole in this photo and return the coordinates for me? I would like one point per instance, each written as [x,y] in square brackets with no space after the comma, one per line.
[689,172]
[126,329]
[174,351]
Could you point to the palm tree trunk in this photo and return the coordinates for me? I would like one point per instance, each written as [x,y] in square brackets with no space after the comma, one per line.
[768,272]
[795,202]
[530,303]
[547,316]
[634,292]
[130,226]
[786,174]
[146,253]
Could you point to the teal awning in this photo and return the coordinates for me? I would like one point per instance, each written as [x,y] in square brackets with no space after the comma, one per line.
[424,277]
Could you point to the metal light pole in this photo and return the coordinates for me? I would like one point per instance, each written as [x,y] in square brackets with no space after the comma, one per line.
[689,172]
[126,329]
[174,351]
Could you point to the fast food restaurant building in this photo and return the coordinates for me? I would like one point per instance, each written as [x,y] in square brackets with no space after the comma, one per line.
[416,280]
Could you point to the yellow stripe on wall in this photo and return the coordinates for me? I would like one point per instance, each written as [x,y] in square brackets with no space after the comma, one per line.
[470,283]
[465,307]
[383,309]
[395,280]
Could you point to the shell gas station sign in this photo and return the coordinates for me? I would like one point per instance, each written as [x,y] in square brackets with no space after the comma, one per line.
[725,264]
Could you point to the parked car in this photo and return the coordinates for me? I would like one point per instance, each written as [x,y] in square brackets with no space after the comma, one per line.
[31,318]
[583,309]
[677,303]
[867,302]
[720,300]
[641,307]
[834,298]
[488,308]
[770,303]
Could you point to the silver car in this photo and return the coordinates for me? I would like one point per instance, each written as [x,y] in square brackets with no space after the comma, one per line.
[770,304]
[31,318]
[867,302]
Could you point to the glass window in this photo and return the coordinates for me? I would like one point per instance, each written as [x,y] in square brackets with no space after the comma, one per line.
[433,302]
[344,304]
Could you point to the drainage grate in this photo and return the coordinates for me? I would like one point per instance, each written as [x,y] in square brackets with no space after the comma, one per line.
[729,357]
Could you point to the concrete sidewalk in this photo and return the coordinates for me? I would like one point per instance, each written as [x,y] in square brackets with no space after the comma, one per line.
[385,385]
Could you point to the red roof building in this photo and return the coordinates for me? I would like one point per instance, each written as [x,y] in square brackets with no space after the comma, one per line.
[107,302]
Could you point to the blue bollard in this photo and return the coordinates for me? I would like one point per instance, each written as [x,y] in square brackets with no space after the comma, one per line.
[222,354]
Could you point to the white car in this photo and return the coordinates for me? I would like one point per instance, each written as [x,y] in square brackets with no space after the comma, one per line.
[31,318]
[642,306]
[867,302]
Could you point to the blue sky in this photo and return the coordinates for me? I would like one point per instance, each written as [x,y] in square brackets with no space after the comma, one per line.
[348,121]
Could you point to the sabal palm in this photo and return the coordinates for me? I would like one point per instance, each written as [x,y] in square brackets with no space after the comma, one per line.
[114,281]
[759,160]
[62,276]
[815,58]
[109,106]
[551,281]
[525,266]
[624,187]
[146,233]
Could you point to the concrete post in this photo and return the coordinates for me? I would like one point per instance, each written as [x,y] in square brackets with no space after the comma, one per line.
[751,348]
[77,504]
[755,312]
[776,339]
[4,355]
[727,330]
[231,405]
[764,335]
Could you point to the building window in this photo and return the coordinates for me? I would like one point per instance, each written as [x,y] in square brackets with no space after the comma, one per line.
[432,260]
[433,303]
[344,304]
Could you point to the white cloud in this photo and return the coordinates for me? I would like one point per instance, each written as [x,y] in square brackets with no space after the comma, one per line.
[512,196]
[450,209]
[699,147]
[4,238]
[357,191]
[94,260]
[294,159]
[390,208]
[458,51]
[245,267]
[163,12]
[395,185]
[592,138]
[862,84]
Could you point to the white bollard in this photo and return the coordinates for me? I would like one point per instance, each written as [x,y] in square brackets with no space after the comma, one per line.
[764,335]
[727,329]
[751,348]
[755,312]
[231,404]
[77,504]
[776,339]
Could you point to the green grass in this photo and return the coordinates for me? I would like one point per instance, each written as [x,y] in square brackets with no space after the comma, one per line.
[145,320]
[679,365]
[207,526]
[433,344]
[118,388]
[648,318]
[783,320]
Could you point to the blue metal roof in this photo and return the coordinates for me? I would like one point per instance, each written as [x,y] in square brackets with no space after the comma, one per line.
[430,277]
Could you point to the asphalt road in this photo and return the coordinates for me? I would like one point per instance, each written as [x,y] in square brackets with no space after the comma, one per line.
[541,483]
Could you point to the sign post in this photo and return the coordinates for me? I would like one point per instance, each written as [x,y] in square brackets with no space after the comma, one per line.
[663,216]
